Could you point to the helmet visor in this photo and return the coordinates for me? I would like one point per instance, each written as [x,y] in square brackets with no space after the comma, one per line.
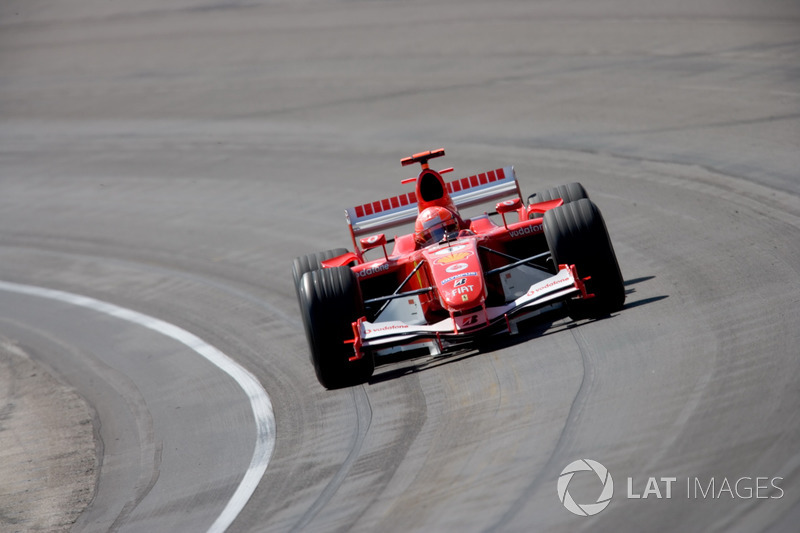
[435,229]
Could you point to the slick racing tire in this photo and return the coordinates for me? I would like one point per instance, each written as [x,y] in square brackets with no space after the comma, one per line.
[330,301]
[570,192]
[576,234]
[309,262]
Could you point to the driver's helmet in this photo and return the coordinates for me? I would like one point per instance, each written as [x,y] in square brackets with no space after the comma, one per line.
[433,223]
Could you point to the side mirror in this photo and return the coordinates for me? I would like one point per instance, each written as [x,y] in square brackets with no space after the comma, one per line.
[507,207]
[368,243]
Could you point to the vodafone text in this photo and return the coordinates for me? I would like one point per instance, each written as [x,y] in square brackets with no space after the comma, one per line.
[372,270]
[525,230]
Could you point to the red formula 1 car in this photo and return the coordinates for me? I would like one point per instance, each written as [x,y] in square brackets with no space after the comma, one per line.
[452,279]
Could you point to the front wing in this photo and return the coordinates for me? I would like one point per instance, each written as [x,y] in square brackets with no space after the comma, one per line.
[562,286]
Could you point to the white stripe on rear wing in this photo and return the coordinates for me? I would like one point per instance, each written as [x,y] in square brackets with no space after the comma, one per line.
[465,192]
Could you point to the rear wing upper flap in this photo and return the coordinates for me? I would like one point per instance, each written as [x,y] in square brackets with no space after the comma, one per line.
[465,192]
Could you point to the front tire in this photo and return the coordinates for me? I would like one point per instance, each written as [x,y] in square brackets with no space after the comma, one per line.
[330,301]
[571,192]
[576,234]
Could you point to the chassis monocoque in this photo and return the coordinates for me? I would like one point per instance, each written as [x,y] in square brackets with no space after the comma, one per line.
[495,270]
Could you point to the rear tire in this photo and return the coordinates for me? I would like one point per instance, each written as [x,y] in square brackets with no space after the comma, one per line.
[309,262]
[330,301]
[576,234]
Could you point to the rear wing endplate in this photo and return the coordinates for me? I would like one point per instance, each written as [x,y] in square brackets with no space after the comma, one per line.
[465,192]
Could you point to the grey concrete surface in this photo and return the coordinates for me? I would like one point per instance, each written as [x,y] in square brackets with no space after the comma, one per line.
[173,157]
[47,448]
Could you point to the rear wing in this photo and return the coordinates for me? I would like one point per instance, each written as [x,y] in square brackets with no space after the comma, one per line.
[465,192]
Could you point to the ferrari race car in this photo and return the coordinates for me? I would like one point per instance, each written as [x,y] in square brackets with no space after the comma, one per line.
[453,279]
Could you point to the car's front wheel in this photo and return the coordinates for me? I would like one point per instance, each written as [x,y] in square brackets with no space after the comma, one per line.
[570,192]
[330,301]
[576,234]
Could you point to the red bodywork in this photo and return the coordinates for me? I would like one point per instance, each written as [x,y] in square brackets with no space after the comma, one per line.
[446,291]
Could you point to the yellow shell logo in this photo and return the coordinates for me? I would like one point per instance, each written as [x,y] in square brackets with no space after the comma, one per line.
[452,258]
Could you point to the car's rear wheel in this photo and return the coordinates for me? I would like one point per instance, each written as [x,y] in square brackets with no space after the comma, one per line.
[309,262]
[576,234]
[330,301]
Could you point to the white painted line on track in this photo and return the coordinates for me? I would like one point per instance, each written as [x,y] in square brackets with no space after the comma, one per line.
[259,400]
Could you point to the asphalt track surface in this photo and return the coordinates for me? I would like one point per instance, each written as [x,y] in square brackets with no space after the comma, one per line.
[173,157]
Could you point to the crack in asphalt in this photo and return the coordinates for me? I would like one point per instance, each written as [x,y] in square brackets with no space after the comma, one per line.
[363,422]
[552,467]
